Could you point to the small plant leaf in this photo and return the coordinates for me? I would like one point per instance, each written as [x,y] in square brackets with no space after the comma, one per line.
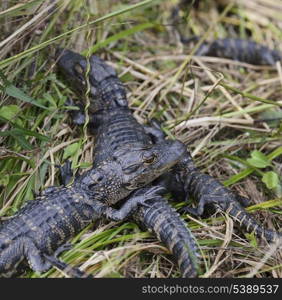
[252,239]
[17,93]
[85,165]
[70,150]
[4,180]
[258,160]
[271,179]
[9,111]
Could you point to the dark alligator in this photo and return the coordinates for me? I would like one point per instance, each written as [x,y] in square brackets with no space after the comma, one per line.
[38,232]
[114,127]
[237,49]
[186,180]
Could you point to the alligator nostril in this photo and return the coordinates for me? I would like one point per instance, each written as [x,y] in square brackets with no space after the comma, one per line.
[91,186]
[100,178]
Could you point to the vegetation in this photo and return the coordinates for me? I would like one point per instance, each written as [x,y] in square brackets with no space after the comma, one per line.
[227,112]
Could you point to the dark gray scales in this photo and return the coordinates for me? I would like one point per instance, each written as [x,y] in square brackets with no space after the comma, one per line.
[114,127]
[165,222]
[186,181]
[209,191]
[237,49]
[37,232]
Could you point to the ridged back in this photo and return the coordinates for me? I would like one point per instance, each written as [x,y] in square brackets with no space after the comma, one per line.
[118,129]
[49,220]
[240,50]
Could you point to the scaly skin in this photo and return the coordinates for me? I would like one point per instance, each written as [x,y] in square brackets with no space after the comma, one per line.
[111,120]
[115,127]
[240,50]
[233,48]
[165,223]
[185,180]
[207,190]
[37,232]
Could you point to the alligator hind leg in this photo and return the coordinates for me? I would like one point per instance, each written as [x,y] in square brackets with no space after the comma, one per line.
[33,255]
[23,248]
[62,266]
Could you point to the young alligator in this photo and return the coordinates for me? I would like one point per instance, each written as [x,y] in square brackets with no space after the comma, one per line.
[233,48]
[186,180]
[114,128]
[237,49]
[38,231]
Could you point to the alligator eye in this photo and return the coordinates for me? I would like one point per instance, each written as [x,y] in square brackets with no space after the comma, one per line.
[78,69]
[150,159]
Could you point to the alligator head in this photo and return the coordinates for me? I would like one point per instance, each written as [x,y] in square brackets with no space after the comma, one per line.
[93,74]
[129,169]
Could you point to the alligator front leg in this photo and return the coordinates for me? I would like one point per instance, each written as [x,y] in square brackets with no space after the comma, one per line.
[78,116]
[66,173]
[140,197]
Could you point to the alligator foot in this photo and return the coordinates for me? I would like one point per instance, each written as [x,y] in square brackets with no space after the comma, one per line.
[70,271]
[138,198]
[66,173]
[154,130]
[65,268]
[62,248]
[22,248]
[199,210]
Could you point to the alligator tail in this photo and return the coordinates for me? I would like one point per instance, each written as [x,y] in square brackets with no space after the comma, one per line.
[237,212]
[166,224]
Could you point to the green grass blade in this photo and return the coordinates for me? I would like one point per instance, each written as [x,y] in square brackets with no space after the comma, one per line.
[118,36]
[27,52]
[15,92]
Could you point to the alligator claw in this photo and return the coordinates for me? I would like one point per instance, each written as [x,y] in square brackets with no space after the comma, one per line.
[190,210]
[66,172]
[62,248]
